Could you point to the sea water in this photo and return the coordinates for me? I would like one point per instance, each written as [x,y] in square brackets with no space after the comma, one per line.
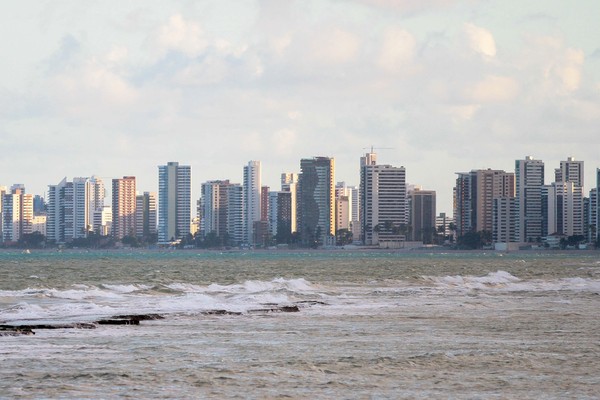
[370,325]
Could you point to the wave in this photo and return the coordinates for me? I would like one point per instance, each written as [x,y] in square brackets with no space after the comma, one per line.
[111,299]
[504,281]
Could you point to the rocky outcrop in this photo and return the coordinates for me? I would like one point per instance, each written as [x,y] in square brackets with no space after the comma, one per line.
[134,319]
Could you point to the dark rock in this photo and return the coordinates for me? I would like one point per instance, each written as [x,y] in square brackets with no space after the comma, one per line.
[293,308]
[119,322]
[140,317]
[312,302]
[221,312]
[80,325]
[4,331]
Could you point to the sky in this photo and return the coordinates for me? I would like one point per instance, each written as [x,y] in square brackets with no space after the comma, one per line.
[115,88]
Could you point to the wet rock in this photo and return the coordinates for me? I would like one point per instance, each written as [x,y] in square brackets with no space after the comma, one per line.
[312,302]
[221,312]
[4,331]
[131,321]
[79,325]
[139,317]
[293,308]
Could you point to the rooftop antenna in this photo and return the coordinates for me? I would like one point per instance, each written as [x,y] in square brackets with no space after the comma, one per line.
[378,148]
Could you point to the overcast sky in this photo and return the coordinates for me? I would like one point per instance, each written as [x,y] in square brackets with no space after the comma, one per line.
[116,88]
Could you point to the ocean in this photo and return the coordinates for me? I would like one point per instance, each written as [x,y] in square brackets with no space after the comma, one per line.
[300,325]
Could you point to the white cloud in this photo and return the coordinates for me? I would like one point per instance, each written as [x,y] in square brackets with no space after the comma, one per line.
[397,50]
[336,46]
[494,88]
[570,72]
[181,35]
[480,40]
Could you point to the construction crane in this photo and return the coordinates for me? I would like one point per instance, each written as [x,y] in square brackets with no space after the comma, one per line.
[378,148]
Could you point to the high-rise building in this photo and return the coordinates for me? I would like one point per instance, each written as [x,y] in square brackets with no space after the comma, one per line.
[103,221]
[39,206]
[124,207]
[442,224]
[569,197]
[463,204]
[221,207]
[316,201]
[383,202]
[174,201]
[17,214]
[145,210]
[344,201]
[488,185]
[423,215]
[504,215]
[96,196]
[272,213]
[570,171]
[289,183]
[82,212]
[476,192]
[55,212]
[562,209]
[68,207]
[529,179]
[252,199]
[596,221]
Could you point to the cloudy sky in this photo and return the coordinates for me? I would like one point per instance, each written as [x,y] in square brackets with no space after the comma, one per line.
[116,88]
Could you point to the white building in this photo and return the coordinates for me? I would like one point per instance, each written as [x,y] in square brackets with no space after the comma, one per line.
[529,179]
[174,201]
[69,215]
[570,171]
[504,217]
[17,214]
[222,211]
[383,203]
[251,200]
[563,209]
[289,183]
[103,221]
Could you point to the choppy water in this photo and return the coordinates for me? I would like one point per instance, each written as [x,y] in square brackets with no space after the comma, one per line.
[370,325]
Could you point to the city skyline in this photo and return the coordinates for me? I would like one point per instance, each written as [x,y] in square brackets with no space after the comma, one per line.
[114,88]
[550,171]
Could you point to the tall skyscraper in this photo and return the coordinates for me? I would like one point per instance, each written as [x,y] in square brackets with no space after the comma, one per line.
[17,214]
[82,204]
[562,209]
[124,207]
[383,202]
[504,214]
[96,196]
[596,222]
[463,204]
[69,205]
[423,214]
[174,201]
[476,192]
[570,171]
[222,211]
[316,201]
[529,179]
[252,199]
[145,210]
[289,183]
[343,205]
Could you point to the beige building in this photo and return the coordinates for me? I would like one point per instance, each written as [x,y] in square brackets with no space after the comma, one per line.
[123,207]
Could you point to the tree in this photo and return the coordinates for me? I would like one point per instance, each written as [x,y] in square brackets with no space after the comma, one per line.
[130,240]
[34,240]
[343,237]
